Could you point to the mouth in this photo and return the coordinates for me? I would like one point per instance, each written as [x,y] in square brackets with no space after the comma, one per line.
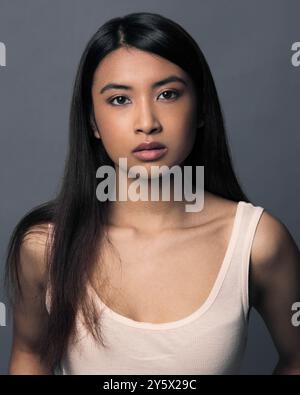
[151,154]
[150,150]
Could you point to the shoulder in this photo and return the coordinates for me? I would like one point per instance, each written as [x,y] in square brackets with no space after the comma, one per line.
[274,257]
[272,241]
[33,254]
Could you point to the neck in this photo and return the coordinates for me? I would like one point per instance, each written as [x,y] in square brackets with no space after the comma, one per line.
[148,215]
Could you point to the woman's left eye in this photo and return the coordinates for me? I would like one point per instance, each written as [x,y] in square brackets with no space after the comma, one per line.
[168,94]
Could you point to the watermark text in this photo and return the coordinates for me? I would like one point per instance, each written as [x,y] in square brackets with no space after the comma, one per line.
[2,54]
[2,314]
[295,59]
[159,180]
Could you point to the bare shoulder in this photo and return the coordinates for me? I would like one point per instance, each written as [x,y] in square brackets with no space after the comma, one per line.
[275,256]
[271,242]
[30,314]
[33,253]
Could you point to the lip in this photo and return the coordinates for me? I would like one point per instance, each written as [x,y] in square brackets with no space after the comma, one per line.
[149,146]
[151,154]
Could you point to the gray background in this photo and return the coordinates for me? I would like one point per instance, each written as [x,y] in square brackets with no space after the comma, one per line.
[248,47]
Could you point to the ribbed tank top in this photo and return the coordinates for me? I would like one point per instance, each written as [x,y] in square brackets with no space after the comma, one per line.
[211,340]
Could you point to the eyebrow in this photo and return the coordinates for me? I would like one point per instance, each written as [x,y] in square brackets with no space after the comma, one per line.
[171,78]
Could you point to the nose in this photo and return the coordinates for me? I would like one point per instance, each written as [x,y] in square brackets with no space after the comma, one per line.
[146,121]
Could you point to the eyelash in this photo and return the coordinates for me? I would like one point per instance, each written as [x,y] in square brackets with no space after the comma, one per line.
[177,93]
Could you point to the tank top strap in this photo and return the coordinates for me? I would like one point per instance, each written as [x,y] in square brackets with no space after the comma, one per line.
[237,279]
[253,215]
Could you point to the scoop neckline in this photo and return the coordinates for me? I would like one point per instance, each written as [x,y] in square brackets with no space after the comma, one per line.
[200,310]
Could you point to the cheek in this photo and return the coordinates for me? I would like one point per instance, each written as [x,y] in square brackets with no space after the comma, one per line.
[112,128]
[186,116]
[113,131]
[185,127]
[183,137]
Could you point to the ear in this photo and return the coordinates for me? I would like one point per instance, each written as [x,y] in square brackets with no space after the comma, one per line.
[97,133]
[95,128]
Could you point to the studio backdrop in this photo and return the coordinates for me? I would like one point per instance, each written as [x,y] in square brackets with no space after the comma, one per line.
[253,50]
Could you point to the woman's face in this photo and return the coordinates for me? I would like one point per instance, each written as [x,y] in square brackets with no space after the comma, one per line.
[144,111]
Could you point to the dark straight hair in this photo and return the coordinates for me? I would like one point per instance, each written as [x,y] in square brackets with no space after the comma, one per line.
[79,220]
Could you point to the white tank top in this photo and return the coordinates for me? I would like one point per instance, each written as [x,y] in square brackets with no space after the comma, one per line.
[211,340]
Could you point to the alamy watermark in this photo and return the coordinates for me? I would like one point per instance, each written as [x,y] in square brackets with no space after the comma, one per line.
[2,314]
[2,54]
[295,59]
[138,189]
[296,316]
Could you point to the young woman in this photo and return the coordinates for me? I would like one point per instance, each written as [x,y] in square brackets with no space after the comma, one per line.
[145,287]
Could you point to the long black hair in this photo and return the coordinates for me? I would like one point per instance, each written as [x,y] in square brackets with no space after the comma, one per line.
[79,220]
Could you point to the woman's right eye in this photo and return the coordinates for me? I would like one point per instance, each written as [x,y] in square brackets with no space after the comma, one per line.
[111,101]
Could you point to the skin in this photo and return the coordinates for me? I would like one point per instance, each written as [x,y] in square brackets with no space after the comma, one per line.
[31,312]
[146,116]
[159,240]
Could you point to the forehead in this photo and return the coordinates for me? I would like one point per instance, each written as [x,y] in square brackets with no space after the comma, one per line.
[135,66]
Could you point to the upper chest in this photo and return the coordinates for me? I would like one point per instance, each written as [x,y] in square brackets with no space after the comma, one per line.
[162,278]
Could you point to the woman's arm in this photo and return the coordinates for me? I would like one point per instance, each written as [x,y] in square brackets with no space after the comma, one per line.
[29,313]
[275,278]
